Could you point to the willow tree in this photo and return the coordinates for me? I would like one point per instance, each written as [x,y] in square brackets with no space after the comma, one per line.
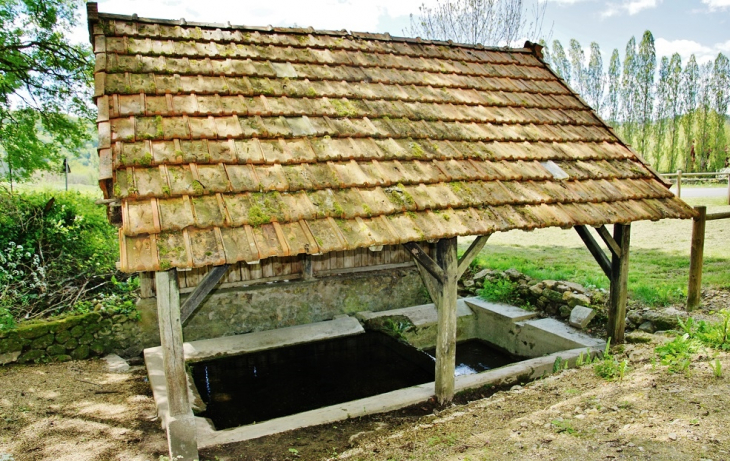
[488,22]
[704,133]
[577,66]
[662,111]
[45,83]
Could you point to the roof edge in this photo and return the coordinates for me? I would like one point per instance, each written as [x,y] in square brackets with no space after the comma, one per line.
[94,16]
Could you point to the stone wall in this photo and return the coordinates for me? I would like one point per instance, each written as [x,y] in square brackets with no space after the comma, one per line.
[69,338]
[224,312]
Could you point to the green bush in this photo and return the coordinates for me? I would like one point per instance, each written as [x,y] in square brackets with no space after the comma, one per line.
[695,337]
[57,255]
[499,291]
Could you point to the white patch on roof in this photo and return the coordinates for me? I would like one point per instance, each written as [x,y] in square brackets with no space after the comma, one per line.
[284,70]
[555,170]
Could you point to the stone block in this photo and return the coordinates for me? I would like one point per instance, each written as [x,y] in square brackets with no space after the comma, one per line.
[9,357]
[581,316]
[647,327]
[77,331]
[56,349]
[97,347]
[32,355]
[536,290]
[575,299]
[33,331]
[564,311]
[80,352]
[116,364]
[71,344]
[42,342]
[87,338]
[63,336]
[553,295]
[61,358]
[481,274]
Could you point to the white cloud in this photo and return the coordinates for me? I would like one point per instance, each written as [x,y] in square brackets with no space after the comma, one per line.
[632,7]
[686,48]
[568,2]
[717,4]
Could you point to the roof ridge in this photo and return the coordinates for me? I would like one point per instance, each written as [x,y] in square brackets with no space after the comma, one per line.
[385,37]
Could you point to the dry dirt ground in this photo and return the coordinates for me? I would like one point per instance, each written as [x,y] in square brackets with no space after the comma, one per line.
[77,411]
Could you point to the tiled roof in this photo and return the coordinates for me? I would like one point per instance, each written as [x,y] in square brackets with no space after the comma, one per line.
[227,144]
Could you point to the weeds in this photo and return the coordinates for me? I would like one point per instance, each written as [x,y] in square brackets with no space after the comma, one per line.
[609,367]
[498,291]
[677,354]
[716,368]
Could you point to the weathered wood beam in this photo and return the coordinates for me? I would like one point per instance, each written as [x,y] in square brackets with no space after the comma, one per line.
[446,313]
[471,253]
[201,291]
[146,284]
[425,260]
[619,277]
[595,249]
[181,432]
[307,270]
[431,284]
[694,288]
[608,240]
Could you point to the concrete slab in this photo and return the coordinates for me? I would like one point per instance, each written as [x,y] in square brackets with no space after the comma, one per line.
[116,364]
[420,316]
[505,311]
[546,336]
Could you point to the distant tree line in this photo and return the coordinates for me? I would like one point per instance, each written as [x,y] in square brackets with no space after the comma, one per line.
[676,118]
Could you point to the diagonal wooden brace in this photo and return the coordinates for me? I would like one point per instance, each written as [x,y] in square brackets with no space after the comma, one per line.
[595,249]
[425,260]
[201,291]
[471,253]
[609,241]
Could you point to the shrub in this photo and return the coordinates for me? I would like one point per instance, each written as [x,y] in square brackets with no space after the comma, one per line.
[499,291]
[57,254]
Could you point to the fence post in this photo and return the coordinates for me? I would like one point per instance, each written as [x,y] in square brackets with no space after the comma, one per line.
[728,188]
[695,259]
[679,183]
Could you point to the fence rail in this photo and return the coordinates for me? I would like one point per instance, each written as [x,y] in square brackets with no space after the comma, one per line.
[680,174]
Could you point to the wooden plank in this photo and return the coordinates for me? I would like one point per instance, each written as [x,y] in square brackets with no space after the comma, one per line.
[181,433]
[715,216]
[201,291]
[619,277]
[352,270]
[425,260]
[146,284]
[255,271]
[446,312]
[307,267]
[595,249]
[471,253]
[608,240]
[694,289]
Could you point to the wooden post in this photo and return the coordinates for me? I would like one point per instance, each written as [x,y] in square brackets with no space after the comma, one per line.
[679,183]
[307,271]
[181,435]
[728,188]
[446,307]
[695,259]
[619,284]
[146,285]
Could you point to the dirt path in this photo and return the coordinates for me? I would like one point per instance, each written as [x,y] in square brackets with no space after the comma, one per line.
[77,411]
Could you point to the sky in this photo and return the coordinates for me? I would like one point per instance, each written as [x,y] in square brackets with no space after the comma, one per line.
[701,27]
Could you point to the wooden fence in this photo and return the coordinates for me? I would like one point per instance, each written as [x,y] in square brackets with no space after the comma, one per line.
[679,175]
[697,252]
[294,268]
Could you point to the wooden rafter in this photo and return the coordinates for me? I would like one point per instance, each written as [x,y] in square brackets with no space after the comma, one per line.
[608,240]
[425,260]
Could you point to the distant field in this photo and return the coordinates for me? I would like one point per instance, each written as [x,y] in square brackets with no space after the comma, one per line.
[659,258]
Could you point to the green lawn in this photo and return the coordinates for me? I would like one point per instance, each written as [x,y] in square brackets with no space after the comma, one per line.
[659,259]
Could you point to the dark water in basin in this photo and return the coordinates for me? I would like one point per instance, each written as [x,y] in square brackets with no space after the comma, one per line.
[247,388]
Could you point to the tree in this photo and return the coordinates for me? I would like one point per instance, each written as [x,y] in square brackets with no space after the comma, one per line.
[45,84]
[644,102]
[594,81]
[545,52]
[690,81]
[662,110]
[489,22]
[614,88]
[720,102]
[577,66]
[704,133]
[674,106]
[561,66]
[628,92]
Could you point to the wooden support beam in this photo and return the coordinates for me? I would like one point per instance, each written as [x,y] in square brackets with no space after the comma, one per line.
[446,313]
[694,289]
[471,253]
[619,277]
[181,433]
[431,284]
[425,260]
[595,249]
[608,240]
[201,291]
[146,284]
[307,271]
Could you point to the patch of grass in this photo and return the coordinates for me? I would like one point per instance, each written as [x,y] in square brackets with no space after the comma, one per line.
[677,355]
[563,426]
[498,291]
[609,367]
